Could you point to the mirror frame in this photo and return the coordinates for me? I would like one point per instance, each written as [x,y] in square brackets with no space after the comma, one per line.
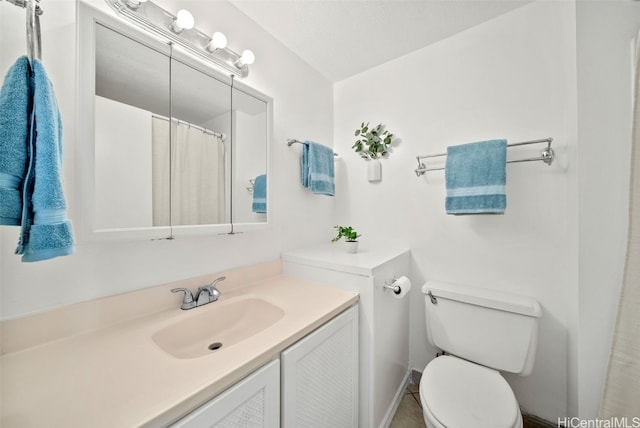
[88,15]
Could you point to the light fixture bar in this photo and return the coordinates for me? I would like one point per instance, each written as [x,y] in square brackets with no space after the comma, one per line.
[159,21]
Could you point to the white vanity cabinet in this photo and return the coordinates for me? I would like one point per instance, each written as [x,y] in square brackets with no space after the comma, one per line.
[320,376]
[383,318]
[313,384]
[254,402]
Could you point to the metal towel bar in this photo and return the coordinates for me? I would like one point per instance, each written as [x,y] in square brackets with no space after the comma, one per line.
[292,141]
[546,156]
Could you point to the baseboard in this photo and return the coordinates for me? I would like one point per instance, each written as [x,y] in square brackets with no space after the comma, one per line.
[533,421]
[415,376]
[391,411]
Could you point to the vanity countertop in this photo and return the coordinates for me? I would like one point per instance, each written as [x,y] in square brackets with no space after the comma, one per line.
[116,376]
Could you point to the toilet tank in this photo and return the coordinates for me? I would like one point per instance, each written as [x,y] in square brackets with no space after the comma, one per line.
[491,328]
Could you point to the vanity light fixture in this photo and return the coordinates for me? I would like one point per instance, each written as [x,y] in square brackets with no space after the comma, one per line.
[183,21]
[247,58]
[218,41]
[134,4]
[180,30]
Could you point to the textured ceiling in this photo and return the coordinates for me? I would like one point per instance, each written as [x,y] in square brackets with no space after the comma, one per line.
[341,38]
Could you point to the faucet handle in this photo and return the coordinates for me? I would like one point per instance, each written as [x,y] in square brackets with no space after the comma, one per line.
[211,289]
[216,281]
[187,300]
[215,294]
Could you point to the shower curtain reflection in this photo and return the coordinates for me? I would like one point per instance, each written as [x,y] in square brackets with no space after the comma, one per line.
[196,161]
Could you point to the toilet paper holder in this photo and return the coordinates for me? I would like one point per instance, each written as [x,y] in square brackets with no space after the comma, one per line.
[393,286]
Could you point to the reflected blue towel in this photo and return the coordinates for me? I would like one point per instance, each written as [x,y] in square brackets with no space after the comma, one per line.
[15,108]
[46,231]
[475,176]
[260,194]
[317,168]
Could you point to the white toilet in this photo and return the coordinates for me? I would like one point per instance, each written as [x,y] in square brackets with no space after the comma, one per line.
[483,331]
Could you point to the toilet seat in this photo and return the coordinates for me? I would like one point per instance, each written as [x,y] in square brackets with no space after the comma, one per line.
[461,394]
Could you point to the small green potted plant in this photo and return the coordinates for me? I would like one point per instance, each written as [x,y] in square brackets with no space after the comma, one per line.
[350,237]
[372,144]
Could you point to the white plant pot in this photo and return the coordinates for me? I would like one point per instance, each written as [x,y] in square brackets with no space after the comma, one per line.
[375,170]
[351,246]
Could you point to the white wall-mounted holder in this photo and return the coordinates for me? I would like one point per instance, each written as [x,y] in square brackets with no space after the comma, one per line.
[374,171]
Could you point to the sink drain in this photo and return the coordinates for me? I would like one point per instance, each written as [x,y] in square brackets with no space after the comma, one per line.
[215,346]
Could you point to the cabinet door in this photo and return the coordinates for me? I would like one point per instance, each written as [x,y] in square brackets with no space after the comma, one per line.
[254,402]
[320,376]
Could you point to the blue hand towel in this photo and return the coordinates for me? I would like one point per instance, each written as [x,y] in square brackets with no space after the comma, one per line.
[46,231]
[475,176]
[260,194]
[15,108]
[317,168]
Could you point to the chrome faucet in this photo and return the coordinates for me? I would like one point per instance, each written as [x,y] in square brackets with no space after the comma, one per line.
[205,294]
[208,293]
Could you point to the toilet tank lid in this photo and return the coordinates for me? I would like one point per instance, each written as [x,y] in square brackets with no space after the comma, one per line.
[484,297]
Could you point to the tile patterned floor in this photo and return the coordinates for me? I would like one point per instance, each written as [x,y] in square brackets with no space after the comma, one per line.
[409,413]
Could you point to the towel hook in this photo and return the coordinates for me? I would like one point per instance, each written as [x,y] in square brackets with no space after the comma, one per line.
[34,40]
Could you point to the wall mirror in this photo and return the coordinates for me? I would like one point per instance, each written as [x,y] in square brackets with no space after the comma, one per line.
[168,145]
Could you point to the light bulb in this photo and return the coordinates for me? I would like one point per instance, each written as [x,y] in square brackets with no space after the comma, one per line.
[184,21]
[218,41]
[247,57]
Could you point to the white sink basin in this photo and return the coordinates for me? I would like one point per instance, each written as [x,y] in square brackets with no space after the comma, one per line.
[217,326]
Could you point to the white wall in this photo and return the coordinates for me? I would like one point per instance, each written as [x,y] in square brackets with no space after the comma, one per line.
[513,77]
[605,31]
[122,137]
[302,109]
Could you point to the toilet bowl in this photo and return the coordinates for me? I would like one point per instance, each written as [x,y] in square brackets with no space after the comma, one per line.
[455,393]
[483,332]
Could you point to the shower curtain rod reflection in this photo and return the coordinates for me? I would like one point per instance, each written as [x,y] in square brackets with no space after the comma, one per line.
[220,135]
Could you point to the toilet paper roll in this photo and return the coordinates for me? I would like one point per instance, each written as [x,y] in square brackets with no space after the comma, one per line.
[405,286]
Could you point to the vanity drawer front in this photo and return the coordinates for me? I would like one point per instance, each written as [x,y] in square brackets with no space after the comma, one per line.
[254,402]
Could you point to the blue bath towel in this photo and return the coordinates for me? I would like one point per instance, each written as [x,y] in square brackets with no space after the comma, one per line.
[317,168]
[260,194]
[15,108]
[475,176]
[46,231]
